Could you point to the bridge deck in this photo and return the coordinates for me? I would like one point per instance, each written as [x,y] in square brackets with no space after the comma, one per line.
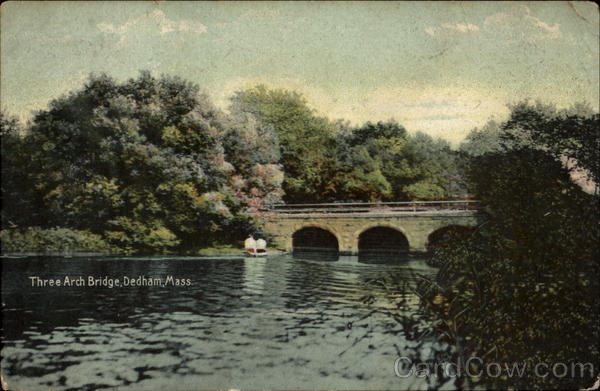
[379,208]
[372,214]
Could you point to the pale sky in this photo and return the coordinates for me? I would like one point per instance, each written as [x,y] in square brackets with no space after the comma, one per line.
[441,68]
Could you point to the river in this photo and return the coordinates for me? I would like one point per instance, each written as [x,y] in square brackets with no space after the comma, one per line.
[248,323]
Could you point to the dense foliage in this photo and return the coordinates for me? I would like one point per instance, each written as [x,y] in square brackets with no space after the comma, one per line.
[54,240]
[326,161]
[151,165]
[523,288]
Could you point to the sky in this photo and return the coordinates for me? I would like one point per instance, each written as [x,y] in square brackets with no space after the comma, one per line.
[438,67]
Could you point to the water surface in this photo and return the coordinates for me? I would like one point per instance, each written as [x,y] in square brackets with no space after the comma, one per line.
[250,323]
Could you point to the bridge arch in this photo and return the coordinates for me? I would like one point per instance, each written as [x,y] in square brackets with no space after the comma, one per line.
[448,234]
[413,220]
[382,238]
[315,237]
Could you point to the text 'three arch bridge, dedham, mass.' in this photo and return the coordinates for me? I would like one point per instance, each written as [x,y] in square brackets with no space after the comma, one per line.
[352,227]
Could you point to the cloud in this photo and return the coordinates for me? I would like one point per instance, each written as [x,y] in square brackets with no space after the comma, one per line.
[449,112]
[462,28]
[519,18]
[265,17]
[500,18]
[154,21]
[553,32]
[517,21]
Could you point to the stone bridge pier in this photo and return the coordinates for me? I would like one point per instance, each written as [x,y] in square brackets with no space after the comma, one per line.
[347,228]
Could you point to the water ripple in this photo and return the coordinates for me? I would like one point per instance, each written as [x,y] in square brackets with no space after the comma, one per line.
[243,323]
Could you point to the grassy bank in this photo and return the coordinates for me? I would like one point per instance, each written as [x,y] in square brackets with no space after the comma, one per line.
[68,242]
[34,240]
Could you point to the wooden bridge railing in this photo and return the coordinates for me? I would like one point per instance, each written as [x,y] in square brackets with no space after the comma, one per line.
[370,207]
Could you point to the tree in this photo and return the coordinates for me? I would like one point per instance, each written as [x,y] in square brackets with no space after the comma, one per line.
[531,268]
[386,163]
[253,149]
[20,207]
[357,175]
[573,133]
[484,140]
[305,139]
[439,166]
[142,162]
[386,145]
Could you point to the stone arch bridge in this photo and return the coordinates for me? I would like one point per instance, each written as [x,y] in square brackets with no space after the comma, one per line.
[415,222]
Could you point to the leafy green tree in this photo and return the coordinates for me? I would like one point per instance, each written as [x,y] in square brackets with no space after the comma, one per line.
[484,140]
[440,174]
[305,139]
[20,204]
[357,175]
[385,144]
[330,161]
[573,133]
[386,141]
[253,149]
[530,270]
[144,162]
[386,163]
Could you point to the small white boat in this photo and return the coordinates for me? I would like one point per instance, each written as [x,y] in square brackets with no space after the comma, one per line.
[255,248]
[261,247]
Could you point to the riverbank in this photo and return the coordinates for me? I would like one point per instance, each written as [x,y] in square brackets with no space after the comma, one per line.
[34,241]
[221,251]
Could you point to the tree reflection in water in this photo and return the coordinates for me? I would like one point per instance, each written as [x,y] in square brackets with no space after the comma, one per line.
[427,350]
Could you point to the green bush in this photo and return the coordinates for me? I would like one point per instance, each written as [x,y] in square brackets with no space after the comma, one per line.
[53,240]
[524,287]
[135,237]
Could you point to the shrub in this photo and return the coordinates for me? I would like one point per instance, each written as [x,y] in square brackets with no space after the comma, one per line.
[53,240]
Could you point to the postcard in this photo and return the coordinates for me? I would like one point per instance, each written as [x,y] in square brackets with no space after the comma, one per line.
[300,195]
